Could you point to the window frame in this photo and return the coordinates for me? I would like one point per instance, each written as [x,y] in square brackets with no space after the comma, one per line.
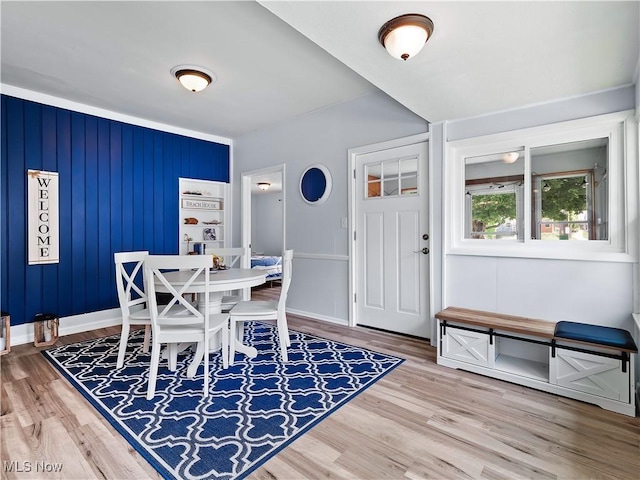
[621,245]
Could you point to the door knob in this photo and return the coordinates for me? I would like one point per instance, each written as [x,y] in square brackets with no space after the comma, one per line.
[425,236]
[425,250]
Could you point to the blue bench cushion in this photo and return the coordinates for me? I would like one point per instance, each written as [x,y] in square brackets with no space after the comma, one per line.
[596,334]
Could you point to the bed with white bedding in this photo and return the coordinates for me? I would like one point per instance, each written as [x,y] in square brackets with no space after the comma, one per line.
[272,264]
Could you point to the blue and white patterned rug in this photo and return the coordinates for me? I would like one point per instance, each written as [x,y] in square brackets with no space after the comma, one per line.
[256,407]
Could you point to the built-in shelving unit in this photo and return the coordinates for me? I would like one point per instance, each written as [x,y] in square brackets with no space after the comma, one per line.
[203,214]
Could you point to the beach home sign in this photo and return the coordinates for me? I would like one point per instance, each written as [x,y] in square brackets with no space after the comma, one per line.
[43,235]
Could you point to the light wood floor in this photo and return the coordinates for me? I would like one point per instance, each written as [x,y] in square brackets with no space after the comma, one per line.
[419,421]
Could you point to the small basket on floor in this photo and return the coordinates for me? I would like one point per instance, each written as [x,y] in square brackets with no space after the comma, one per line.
[45,329]
[5,333]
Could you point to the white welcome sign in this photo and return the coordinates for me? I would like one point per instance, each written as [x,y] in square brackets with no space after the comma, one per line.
[43,235]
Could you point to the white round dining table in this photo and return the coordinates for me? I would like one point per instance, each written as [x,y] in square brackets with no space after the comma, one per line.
[220,281]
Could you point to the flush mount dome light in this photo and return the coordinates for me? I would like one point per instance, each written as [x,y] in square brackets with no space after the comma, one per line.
[193,78]
[264,185]
[404,36]
[510,157]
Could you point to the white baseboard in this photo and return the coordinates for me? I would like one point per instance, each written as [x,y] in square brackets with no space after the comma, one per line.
[316,316]
[21,334]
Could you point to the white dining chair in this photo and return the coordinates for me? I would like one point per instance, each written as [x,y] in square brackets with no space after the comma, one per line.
[180,321]
[132,298]
[233,259]
[248,310]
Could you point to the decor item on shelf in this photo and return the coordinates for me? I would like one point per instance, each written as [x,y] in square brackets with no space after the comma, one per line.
[404,36]
[212,222]
[45,329]
[263,185]
[192,77]
[315,184]
[5,333]
[209,234]
[191,221]
[201,204]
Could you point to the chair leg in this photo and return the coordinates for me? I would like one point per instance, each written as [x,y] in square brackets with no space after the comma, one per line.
[225,345]
[124,338]
[173,356]
[285,327]
[240,331]
[283,335]
[147,337]
[232,342]
[153,370]
[206,366]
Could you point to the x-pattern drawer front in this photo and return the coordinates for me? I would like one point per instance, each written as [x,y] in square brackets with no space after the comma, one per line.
[467,346]
[593,374]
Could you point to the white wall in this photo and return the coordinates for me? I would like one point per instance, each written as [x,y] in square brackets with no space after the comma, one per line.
[266,223]
[320,267]
[583,291]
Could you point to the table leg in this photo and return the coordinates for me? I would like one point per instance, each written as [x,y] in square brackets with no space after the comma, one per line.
[249,351]
[215,344]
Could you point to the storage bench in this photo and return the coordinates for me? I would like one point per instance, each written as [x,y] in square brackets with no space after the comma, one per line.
[591,363]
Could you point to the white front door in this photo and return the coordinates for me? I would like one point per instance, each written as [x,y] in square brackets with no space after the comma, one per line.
[391,242]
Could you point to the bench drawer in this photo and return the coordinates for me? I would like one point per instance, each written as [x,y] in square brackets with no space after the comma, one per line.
[468,346]
[594,374]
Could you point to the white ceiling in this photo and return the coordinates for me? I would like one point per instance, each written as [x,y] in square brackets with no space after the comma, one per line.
[483,56]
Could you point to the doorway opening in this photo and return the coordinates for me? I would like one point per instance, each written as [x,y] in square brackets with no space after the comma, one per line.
[263,217]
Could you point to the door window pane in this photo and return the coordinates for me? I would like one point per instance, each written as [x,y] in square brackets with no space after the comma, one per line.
[409,176]
[392,178]
[373,174]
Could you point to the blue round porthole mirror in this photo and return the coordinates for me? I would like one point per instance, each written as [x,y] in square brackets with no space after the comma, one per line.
[315,184]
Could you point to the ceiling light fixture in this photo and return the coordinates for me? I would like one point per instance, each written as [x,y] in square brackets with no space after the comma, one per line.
[264,185]
[404,36]
[510,157]
[193,78]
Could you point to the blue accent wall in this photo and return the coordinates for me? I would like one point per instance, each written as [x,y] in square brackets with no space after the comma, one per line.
[118,189]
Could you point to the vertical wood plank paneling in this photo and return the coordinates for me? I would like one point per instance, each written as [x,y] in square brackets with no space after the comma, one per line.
[16,243]
[4,198]
[105,282]
[197,154]
[65,269]
[116,218]
[48,131]
[138,188]
[33,160]
[221,162]
[78,208]
[92,215]
[118,192]
[172,166]
[126,210]
[185,156]
[148,198]
[158,194]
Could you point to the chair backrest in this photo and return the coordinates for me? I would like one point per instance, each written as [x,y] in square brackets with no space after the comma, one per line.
[287,268]
[192,268]
[232,256]
[130,280]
